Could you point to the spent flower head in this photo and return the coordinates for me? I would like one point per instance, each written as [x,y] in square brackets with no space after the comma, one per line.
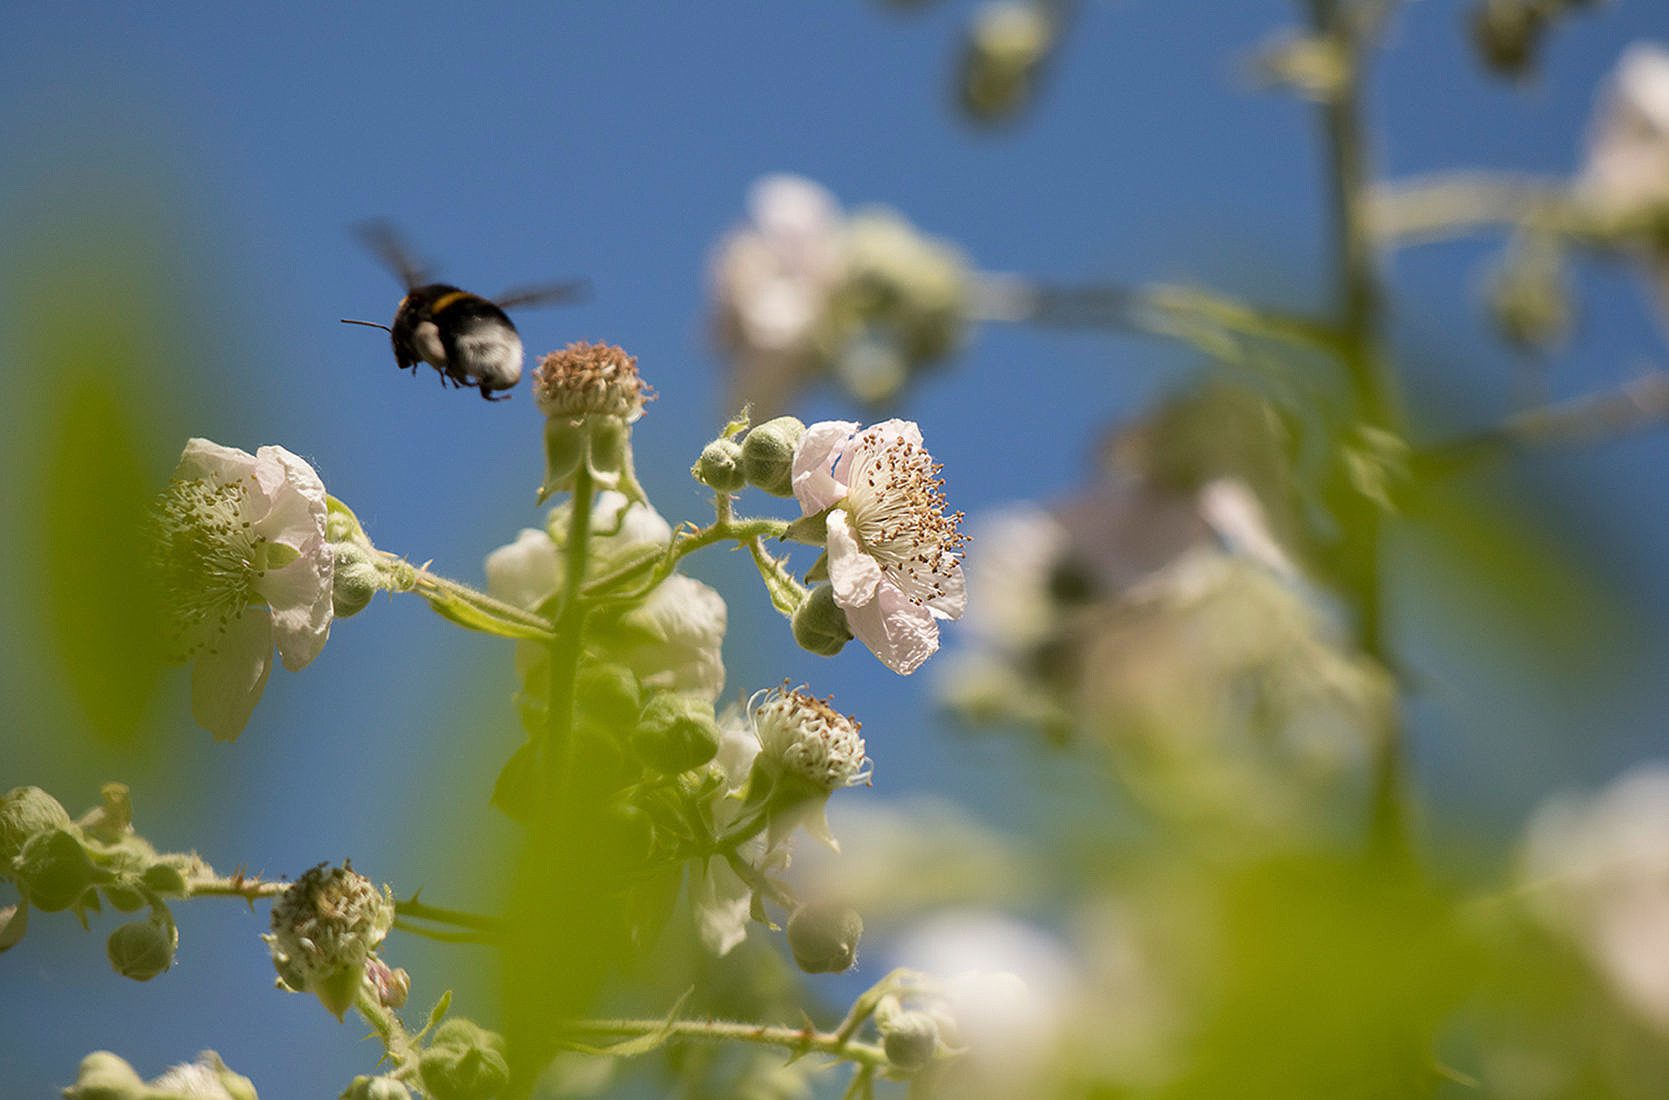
[803,736]
[895,554]
[807,751]
[238,544]
[325,928]
[590,379]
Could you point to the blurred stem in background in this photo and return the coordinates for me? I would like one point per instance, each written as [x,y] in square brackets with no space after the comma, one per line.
[1348,29]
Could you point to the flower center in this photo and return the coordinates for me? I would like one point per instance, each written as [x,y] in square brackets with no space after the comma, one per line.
[206,558]
[896,499]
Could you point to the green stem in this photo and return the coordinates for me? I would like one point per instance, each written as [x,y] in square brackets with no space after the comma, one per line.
[742,531]
[385,1023]
[406,577]
[1154,309]
[1443,207]
[1358,309]
[567,644]
[806,1040]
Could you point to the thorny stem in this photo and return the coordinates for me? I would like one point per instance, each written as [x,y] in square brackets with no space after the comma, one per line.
[251,889]
[799,1040]
[402,1051]
[1358,309]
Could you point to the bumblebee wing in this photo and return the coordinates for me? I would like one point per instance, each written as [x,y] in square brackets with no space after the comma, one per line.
[386,244]
[544,294]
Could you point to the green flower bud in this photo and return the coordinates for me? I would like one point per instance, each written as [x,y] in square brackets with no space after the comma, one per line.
[375,1088]
[111,821]
[676,733]
[164,878]
[1006,46]
[355,580]
[24,813]
[142,949]
[768,455]
[103,1076]
[910,1039]
[124,896]
[720,466]
[464,1061]
[609,697]
[566,443]
[824,937]
[820,624]
[1507,35]
[54,871]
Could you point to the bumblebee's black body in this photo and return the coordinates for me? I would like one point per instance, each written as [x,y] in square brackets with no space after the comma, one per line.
[468,339]
[445,327]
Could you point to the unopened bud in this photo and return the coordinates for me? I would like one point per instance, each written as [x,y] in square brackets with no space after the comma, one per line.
[464,1061]
[24,813]
[676,732]
[54,871]
[910,1039]
[104,1076]
[824,937]
[720,466]
[609,697]
[819,623]
[355,580]
[375,1088]
[768,455]
[1507,35]
[392,985]
[142,949]
[1006,46]
[164,878]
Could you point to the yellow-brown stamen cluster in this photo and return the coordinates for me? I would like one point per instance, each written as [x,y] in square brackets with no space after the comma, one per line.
[897,503]
[586,379]
[206,560]
[807,737]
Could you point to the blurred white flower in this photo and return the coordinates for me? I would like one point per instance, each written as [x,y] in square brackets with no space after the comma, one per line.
[1627,168]
[672,640]
[720,900]
[894,555]
[771,282]
[802,289]
[1597,869]
[239,543]
[1006,996]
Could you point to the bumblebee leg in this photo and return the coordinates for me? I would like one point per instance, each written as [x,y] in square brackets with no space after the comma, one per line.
[490,396]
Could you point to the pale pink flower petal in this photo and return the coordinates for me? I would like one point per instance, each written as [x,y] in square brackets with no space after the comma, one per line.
[902,634]
[226,682]
[815,486]
[855,574]
[300,597]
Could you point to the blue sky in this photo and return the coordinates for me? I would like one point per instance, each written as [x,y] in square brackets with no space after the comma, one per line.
[616,141]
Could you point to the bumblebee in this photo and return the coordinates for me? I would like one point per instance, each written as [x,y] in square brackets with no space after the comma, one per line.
[468,339]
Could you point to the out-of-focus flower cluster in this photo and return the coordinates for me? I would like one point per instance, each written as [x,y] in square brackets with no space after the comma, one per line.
[806,290]
[1163,613]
